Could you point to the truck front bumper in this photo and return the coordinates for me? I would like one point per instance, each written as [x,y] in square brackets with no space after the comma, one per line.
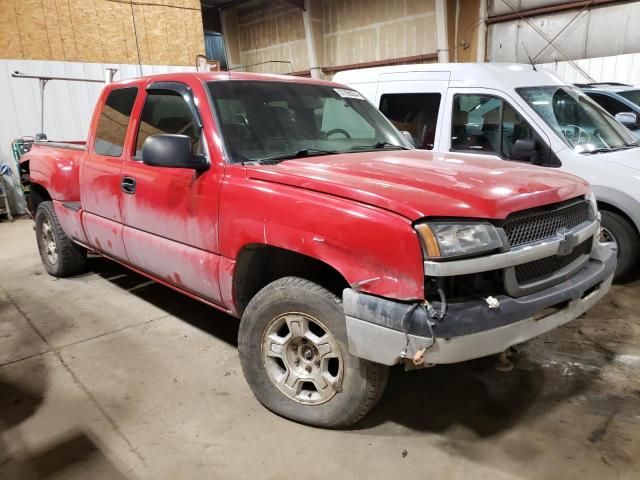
[471,329]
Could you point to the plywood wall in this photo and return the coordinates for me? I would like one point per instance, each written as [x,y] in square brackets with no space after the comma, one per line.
[366,30]
[110,31]
[272,31]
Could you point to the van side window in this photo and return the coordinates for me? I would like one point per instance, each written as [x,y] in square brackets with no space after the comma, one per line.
[611,105]
[113,122]
[165,111]
[416,113]
[482,123]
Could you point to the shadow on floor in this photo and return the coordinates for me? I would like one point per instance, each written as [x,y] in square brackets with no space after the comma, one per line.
[201,316]
[71,455]
[472,394]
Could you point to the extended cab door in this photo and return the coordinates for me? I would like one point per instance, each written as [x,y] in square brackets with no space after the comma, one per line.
[171,214]
[485,121]
[412,101]
[100,176]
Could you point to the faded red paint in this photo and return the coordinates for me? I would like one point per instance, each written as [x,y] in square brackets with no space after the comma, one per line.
[354,212]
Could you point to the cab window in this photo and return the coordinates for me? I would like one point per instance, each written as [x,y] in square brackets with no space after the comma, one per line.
[610,104]
[416,113]
[483,123]
[114,121]
[165,111]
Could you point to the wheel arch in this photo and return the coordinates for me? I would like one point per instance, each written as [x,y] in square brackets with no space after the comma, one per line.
[258,264]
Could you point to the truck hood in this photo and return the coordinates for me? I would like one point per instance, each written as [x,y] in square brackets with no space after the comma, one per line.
[418,183]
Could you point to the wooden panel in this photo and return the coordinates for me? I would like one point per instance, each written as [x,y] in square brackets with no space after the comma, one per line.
[10,45]
[168,31]
[65,27]
[52,24]
[33,30]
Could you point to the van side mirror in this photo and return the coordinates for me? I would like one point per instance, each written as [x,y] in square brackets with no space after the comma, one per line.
[165,150]
[628,119]
[408,137]
[526,150]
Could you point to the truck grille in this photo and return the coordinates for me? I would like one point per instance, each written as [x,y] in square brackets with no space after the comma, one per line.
[538,269]
[533,225]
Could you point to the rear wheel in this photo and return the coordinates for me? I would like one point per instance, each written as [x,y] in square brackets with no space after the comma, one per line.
[617,230]
[294,355]
[60,256]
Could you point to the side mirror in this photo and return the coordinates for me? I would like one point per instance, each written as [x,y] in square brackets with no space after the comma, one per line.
[174,151]
[628,119]
[526,150]
[408,137]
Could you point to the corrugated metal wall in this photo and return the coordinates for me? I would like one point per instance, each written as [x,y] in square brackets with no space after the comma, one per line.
[68,105]
[596,32]
[617,68]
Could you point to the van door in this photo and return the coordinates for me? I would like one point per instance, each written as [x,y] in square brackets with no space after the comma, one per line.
[100,182]
[486,121]
[170,215]
[413,102]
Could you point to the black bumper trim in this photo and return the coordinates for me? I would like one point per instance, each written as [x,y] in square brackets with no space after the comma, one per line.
[475,316]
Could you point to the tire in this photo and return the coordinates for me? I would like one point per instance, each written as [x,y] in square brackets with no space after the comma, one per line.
[354,385]
[626,238]
[61,258]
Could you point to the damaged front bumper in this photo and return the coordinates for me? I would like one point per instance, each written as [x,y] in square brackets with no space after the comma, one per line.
[471,329]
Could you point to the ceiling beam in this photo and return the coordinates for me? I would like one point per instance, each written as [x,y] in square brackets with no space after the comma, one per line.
[294,3]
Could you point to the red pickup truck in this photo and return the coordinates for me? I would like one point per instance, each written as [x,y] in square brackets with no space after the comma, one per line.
[294,205]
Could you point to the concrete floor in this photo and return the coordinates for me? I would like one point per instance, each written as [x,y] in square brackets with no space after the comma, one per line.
[108,375]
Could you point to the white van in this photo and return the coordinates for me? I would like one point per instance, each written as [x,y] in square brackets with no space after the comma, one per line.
[517,113]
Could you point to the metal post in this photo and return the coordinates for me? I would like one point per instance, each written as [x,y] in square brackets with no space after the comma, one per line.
[43,83]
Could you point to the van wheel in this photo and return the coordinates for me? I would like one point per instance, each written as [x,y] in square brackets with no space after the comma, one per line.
[60,256]
[294,355]
[618,230]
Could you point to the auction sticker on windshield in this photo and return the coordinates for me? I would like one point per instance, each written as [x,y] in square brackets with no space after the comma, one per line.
[345,93]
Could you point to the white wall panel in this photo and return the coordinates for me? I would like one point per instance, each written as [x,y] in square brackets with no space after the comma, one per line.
[596,32]
[618,68]
[68,105]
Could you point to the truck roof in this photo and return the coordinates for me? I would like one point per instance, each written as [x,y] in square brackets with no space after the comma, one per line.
[226,76]
[496,75]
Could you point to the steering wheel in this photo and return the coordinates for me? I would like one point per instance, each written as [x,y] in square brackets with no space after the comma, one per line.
[577,134]
[337,130]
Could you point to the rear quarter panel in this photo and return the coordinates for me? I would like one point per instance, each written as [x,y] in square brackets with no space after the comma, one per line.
[57,170]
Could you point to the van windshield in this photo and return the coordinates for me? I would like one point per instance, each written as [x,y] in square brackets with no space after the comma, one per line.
[577,119]
[267,121]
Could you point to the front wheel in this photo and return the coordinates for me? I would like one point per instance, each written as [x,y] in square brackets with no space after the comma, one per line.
[618,231]
[60,256]
[294,355]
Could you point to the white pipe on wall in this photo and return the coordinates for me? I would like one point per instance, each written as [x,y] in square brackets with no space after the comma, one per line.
[442,39]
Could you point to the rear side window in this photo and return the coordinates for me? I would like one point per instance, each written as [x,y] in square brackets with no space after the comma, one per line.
[113,122]
[416,113]
[610,104]
[165,111]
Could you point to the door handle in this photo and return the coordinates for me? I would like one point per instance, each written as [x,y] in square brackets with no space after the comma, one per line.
[129,185]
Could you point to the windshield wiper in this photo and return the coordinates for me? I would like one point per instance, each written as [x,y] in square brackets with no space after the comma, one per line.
[379,145]
[305,152]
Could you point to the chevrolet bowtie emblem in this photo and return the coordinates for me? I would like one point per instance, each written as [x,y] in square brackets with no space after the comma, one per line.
[568,242]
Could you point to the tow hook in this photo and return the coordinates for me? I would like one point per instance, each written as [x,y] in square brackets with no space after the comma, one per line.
[503,364]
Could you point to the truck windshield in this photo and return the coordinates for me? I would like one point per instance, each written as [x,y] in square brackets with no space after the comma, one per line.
[266,121]
[577,119]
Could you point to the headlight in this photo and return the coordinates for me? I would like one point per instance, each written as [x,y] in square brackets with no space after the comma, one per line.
[448,239]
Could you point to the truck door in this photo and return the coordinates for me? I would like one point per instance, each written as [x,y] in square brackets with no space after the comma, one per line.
[100,177]
[412,101]
[170,215]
